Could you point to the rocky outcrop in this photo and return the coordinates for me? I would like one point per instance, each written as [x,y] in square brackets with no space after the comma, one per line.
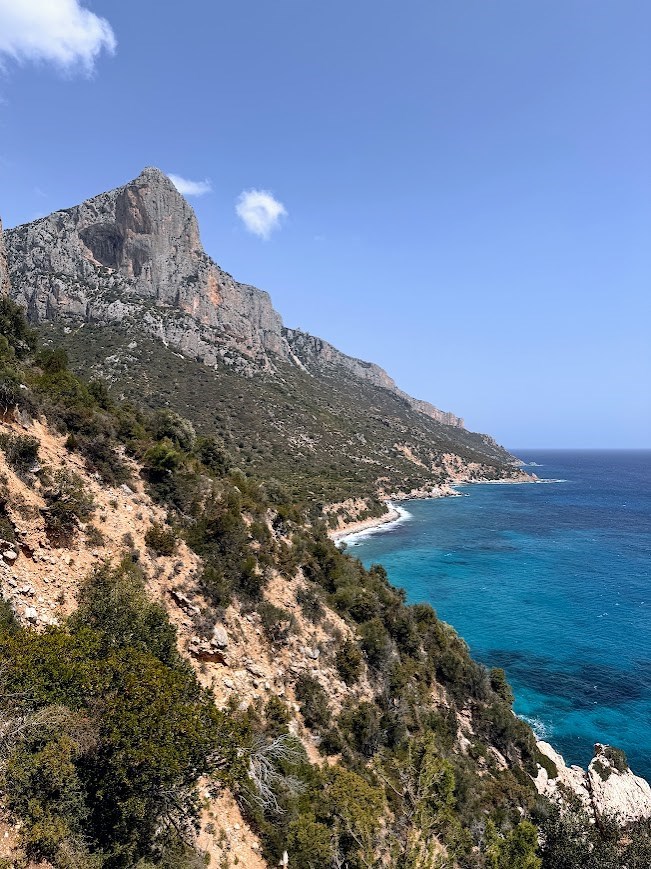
[614,789]
[134,256]
[4,269]
[315,353]
[608,788]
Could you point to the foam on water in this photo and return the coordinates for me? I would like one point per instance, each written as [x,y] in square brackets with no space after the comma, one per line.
[356,537]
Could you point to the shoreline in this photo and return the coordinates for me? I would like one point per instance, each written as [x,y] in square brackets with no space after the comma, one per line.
[396,514]
[633,792]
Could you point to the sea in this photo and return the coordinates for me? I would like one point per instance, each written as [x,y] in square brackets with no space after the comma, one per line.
[552,582]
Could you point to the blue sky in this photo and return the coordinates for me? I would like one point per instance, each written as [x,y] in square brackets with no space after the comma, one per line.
[466,185]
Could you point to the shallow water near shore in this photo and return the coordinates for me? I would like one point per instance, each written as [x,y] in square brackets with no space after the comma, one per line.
[550,582]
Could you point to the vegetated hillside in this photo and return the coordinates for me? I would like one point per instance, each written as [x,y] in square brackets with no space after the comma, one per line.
[334,426]
[327,438]
[191,669]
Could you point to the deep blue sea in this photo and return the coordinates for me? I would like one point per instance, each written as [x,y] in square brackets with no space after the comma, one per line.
[552,582]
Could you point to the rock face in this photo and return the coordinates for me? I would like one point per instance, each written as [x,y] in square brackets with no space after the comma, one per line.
[615,790]
[4,269]
[133,256]
[607,789]
[315,353]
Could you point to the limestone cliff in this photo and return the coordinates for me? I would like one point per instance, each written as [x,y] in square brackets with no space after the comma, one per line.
[608,788]
[4,269]
[133,256]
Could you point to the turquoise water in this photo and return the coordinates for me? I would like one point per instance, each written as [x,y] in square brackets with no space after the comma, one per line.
[551,582]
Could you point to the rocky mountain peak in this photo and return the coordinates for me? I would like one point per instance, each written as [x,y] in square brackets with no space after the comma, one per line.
[133,257]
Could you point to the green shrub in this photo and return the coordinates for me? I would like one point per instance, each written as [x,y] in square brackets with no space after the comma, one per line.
[277,623]
[517,849]
[310,843]
[310,604]
[11,394]
[213,455]
[16,338]
[617,757]
[160,539]
[67,502]
[500,685]
[375,643]
[21,452]
[604,772]
[168,425]
[546,763]
[348,661]
[94,536]
[313,700]
[162,458]
[121,731]
[361,728]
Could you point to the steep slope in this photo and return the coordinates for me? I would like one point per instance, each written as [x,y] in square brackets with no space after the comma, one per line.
[192,673]
[327,438]
[4,268]
[128,267]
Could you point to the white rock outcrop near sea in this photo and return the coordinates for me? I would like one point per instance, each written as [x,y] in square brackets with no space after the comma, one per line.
[608,788]
[616,792]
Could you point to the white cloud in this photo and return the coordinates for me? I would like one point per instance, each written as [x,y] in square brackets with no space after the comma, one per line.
[187,187]
[53,31]
[260,212]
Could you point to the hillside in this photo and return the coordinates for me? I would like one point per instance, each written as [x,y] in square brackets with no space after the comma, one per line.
[123,283]
[193,672]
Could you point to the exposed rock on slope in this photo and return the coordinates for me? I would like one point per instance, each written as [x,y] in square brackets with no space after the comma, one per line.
[134,255]
[4,270]
[607,789]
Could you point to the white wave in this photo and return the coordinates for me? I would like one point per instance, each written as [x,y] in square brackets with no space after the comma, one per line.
[542,729]
[355,537]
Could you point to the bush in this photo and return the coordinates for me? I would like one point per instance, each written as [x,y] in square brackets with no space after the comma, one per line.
[213,456]
[500,685]
[362,726]
[16,338]
[348,662]
[375,643]
[310,843]
[310,604]
[160,540]
[313,700]
[162,458]
[169,425]
[515,850]
[546,763]
[276,622]
[67,502]
[10,391]
[21,452]
[114,603]
[117,735]
[617,757]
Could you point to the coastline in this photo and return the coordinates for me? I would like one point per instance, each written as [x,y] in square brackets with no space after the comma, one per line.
[628,794]
[395,515]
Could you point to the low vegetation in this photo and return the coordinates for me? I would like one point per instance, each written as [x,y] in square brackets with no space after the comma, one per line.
[105,730]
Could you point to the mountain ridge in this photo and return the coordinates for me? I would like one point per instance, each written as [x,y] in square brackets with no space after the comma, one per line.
[139,244]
